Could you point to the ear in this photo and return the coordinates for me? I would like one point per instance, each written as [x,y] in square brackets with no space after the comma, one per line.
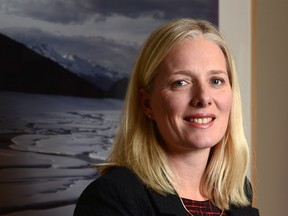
[145,103]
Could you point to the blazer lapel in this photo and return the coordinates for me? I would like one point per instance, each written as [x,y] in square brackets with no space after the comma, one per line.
[167,204]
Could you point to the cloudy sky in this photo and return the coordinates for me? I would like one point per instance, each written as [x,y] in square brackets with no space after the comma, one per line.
[108,31]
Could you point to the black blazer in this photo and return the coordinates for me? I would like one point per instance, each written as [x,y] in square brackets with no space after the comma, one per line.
[120,193]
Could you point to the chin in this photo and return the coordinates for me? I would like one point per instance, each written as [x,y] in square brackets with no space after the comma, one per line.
[205,144]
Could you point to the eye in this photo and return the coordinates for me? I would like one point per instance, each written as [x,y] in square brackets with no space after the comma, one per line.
[217,81]
[179,83]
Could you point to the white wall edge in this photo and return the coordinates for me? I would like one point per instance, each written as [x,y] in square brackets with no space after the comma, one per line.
[235,20]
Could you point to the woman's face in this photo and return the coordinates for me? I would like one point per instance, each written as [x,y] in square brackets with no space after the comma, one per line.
[191,96]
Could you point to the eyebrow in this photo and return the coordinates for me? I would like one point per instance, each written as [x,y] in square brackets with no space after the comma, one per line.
[215,72]
[212,72]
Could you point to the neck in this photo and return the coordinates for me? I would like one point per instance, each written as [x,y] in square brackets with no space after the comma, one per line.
[188,169]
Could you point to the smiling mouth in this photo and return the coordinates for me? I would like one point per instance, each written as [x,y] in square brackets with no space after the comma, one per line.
[200,120]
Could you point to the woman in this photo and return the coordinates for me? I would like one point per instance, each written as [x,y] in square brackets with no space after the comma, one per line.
[180,148]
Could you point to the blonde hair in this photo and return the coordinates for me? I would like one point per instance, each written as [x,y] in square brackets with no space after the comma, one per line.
[136,143]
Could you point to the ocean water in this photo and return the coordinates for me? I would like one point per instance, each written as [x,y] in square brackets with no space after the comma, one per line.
[47,146]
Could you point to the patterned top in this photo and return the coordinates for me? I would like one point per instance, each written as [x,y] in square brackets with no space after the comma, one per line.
[202,208]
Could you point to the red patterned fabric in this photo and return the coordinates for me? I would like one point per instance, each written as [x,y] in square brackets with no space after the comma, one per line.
[202,208]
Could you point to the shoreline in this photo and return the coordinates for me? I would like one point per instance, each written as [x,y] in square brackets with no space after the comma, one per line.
[6,139]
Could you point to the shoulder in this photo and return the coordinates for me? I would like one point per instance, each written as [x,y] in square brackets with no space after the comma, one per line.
[245,210]
[248,190]
[117,192]
[119,173]
[117,178]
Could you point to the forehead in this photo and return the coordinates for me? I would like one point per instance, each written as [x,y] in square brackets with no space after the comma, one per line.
[197,52]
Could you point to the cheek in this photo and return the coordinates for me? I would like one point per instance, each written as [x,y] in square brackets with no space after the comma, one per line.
[165,104]
[225,104]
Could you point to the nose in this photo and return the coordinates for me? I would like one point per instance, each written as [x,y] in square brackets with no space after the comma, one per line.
[201,96]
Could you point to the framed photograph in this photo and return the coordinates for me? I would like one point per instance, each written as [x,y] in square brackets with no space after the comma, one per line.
[64,73]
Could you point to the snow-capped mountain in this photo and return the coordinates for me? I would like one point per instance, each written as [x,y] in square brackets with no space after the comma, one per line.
[100,76]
